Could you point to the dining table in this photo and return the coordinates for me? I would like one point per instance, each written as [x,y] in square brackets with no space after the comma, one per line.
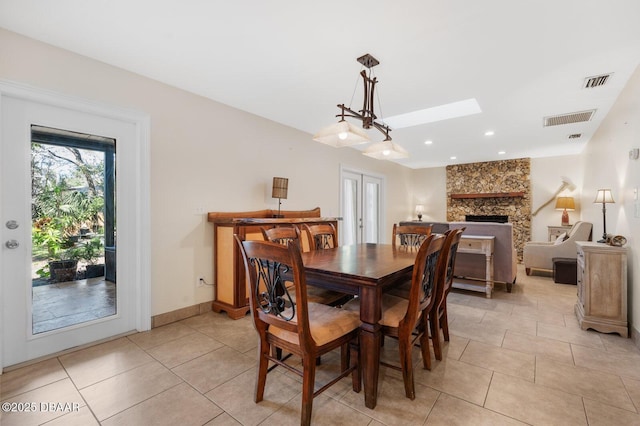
[365,270]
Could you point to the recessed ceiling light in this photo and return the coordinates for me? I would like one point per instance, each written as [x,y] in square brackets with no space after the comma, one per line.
[428,142]
[438,113]
[502,152]
[452,158]
[489,133]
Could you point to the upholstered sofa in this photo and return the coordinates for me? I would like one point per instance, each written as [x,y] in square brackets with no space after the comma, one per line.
[539,255]
[505,259]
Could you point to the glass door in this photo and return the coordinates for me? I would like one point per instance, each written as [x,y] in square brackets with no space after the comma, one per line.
[361,207]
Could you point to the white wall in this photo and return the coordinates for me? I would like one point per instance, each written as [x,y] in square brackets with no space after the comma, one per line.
[607,165]
[205,156]
[429,189]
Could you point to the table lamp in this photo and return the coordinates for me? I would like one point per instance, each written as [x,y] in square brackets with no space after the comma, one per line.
[279,191]
[604,196]
[419,211]
[565,204]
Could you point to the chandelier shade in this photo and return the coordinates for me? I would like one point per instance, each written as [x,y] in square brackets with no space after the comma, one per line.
[341,134]
[386,150]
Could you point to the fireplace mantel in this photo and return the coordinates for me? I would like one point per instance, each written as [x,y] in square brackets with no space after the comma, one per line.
[488,195]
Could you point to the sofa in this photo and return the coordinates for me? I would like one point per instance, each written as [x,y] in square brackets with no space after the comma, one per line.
[540,255]
[505,259]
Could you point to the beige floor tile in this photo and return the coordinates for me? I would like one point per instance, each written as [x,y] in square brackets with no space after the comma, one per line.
[507,321]
[454,348]
[160,335]
[600,414]
[502,360]
[478,332]
[457,378]
[223,420]
[213,369]
[633,389]
[479,301]
[326,411]
[465,313]
[236,396]
[450,411]
[180,404]
[532,403]
[91,365]
[60,392]
[532,312]
[622,364]
[393,407]
[540,346]
[179,351]
[571,321]
[127,389]
[82,417]
[30,377]
[603,387]
[570,335]
[622,345]
[241,339]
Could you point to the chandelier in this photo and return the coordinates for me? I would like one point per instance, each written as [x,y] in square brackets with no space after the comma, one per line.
[344,133]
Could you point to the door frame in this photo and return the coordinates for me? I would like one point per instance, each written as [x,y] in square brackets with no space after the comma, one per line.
[383,184]
[138,173]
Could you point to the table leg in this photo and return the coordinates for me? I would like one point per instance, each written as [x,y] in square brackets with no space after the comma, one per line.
[489,275]
[370,340]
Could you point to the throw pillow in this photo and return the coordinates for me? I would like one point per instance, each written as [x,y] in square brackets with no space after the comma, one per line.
[561,238]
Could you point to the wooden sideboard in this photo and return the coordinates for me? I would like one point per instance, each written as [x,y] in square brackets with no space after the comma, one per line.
[602,288]
[229,275]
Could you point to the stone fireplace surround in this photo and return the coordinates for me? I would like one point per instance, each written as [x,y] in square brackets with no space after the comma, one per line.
[492,188]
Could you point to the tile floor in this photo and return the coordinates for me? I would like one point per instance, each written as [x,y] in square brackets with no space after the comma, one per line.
[518,358]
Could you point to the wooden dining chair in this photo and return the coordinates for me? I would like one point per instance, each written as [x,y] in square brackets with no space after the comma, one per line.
[303,328]
[409,236]
[321,236]
[285,235]
[438,316]
[407,319]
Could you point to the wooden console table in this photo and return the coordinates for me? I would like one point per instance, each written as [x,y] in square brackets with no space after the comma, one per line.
[481,245]
[229,275]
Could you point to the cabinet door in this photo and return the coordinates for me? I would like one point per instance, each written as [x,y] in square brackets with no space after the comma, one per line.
[605,298]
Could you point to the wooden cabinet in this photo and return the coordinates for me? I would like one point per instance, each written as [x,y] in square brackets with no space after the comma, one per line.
[229,276]
[602,288]
[556,231]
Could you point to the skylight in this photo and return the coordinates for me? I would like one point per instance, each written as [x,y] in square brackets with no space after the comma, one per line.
[438,113]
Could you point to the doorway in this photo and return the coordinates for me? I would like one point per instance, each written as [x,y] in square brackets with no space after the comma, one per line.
[362,198]
[26,115]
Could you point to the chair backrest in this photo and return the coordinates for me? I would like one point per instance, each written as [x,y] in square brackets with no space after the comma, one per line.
[409,236]
[322,236]
[580,231]
[447,263]
[281,234]
[424,281]
[267,265]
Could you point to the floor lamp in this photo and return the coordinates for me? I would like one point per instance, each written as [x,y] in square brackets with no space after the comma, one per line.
[604,196]
[279,190]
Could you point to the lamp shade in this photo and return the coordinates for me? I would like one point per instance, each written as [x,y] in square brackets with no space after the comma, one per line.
[604,196]
[386,150]
[341,134]
[565,203]
[280,187]
[419,209]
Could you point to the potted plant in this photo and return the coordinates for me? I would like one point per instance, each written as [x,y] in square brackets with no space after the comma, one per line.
[91,252]
[62,257]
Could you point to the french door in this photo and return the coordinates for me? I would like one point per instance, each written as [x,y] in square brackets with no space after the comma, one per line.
[20,340]
[362,198]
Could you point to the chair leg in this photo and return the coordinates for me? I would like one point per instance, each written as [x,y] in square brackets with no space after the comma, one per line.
[354,357]
[263,366]
[424,347]
[434,325]
[445,322]
[308,380]
[407,367]
[527,271]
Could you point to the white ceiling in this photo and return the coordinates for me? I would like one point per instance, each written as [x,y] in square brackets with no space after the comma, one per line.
[293,61]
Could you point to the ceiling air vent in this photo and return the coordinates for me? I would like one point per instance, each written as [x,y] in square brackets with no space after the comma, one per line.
[572,117]
[596,81]
[575,136]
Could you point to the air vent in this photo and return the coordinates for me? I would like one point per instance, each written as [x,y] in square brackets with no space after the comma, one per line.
[575,136]
[596,81]
[573,117]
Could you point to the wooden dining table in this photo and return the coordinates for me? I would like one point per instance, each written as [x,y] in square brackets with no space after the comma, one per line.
[365,270]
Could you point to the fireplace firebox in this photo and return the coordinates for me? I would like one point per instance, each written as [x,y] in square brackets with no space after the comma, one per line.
[486,218]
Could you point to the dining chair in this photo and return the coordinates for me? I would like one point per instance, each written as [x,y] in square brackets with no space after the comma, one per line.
[321,236]
[303,328]
[409,236]
[285,235]
[407,319]
[438,316]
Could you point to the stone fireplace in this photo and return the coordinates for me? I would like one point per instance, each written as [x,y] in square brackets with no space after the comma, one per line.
[496,188]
